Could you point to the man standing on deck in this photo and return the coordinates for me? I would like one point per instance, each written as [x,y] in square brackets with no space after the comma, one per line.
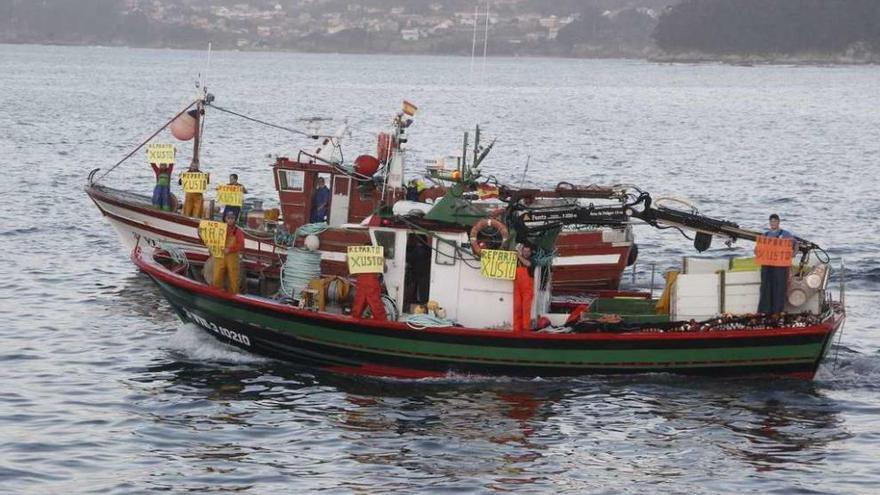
[193,201]
[320,202]
[523,289]
[368,290]
[368,293]
[235,209]
[228,266]
[774,279]
[162,191]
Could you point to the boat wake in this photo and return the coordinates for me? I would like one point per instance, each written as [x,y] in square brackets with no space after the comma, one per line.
[195,344]
[851,370]
[864,277]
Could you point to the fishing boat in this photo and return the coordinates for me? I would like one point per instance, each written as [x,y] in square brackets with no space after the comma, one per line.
[704,323]
[586,258]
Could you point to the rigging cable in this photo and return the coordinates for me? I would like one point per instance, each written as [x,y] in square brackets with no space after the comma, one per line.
[454,245]
[349,171]
[145,142]
[269,124]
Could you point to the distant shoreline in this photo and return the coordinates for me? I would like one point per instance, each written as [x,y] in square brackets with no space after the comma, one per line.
[653,56]
[814,59]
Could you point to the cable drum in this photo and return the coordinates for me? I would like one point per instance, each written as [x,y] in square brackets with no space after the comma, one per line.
[390,308]
[332,292]
[337,291]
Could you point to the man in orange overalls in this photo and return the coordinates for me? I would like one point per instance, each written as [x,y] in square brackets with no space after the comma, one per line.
[523,290]
[231,260]
[369,292]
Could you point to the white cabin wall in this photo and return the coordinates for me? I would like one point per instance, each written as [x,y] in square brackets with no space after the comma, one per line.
[469,298]
[339,202]
[541,298]
[444,279]
[395,267]
[485,302]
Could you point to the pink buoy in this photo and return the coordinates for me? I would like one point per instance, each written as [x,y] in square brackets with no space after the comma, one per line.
[184,127]
[366,165]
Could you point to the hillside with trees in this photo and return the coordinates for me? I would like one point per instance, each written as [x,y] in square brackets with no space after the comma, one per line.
[620,28]
[820,30]
[737,31]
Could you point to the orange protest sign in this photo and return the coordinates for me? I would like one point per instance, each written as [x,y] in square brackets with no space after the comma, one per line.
[773,251]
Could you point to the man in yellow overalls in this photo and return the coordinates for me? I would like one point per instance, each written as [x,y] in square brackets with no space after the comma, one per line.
[193,201]
[228,265]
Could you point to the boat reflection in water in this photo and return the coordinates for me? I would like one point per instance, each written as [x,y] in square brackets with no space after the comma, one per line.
[269,419]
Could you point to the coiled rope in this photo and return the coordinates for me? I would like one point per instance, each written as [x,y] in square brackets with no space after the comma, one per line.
[311,228]
[544,258]
[176,254]
[285,238]
[302,265]
[299,269]
[423,321]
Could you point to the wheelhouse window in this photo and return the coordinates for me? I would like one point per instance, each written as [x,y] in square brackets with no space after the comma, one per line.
[446,251]
[291,180]
[386,239]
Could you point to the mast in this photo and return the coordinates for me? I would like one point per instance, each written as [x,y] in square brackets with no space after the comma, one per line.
[202,87]
[485,43]
[464,149]
[198,135]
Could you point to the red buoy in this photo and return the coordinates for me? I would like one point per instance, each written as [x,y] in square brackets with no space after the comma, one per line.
[366,165]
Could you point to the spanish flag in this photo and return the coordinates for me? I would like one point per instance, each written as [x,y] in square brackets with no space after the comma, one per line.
[409,108]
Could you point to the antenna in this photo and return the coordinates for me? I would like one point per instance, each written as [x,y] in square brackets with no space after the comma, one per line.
[474,43]
[525,171]
[204,82]
[202,97]
[485,42]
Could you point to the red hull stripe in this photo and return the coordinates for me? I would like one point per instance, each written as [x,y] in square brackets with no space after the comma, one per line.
[161,273]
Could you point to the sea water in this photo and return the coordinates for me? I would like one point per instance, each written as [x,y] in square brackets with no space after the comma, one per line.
[103,390]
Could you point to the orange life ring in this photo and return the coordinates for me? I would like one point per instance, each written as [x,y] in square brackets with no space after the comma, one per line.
[482,225]
[383,147]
